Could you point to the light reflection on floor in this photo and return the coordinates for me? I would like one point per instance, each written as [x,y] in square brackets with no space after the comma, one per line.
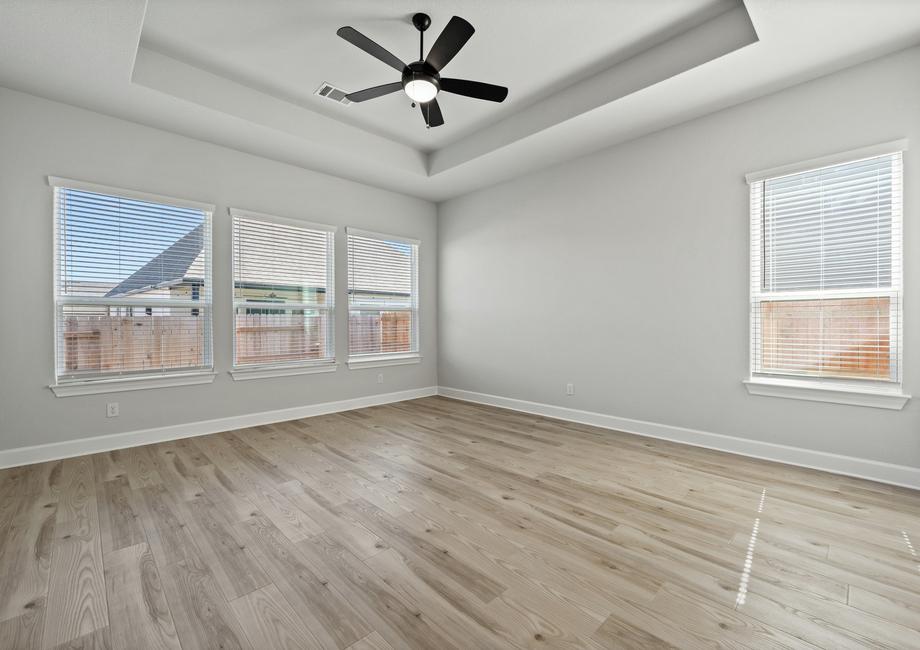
[910,546]
[749,558]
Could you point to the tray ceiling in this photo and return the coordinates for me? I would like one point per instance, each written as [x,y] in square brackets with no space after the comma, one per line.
[582,75]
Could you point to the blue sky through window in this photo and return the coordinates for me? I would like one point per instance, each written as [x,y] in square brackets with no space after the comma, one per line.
[104,239]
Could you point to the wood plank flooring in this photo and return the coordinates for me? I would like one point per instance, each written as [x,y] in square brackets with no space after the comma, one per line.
[441,524]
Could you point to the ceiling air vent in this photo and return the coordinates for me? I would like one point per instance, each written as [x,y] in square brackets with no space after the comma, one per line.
[329,91]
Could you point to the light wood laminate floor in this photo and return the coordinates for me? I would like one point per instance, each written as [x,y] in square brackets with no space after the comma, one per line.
[441,524]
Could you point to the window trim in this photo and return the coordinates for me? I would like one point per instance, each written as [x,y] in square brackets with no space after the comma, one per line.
[121,384]
[298,223]
[835,392]
[381,359]
[127,382]
[71,184]
[357,232]
[852,155]
[245,372]
[855,392]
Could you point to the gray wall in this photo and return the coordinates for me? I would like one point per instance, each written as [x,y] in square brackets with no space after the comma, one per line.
[626,272]
[39,137]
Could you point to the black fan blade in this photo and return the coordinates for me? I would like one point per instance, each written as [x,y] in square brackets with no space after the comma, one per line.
[432,113]
[454,36]
[376,91]
[474,89]
[355,37]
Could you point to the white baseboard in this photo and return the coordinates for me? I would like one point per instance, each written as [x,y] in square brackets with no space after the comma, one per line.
[96,444]
[901,475]
[872,470]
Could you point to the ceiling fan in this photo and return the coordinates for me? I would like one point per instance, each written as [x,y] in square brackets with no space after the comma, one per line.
[422,80]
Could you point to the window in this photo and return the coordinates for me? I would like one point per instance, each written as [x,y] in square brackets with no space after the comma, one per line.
[283,295]
[826,274]
[132,285]
[382,299]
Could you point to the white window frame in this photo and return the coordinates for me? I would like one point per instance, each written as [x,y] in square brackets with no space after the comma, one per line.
[134,380]
[356,361]
[887,395]
[243,372]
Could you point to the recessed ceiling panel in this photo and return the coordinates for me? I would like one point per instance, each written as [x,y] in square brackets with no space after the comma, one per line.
[535,47]
[582,75]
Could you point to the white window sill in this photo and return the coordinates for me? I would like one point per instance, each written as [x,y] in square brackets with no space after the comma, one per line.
[117,385]
[380,360]
[883,397]
[263,372]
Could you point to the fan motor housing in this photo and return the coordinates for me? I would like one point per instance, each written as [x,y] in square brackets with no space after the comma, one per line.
[421,71]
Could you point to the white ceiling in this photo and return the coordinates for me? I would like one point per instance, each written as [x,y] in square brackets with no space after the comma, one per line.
[582,74]
[535,47]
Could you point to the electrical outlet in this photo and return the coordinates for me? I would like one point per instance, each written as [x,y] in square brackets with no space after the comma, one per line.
[380,378]
[111,410]
[570,389]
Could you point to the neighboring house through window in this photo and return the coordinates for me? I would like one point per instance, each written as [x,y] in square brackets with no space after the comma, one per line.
[132,284]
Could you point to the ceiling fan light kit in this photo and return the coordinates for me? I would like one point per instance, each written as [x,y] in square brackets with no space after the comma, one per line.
[420,84]
[421,80]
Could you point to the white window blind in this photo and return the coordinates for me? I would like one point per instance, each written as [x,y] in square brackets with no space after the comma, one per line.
[826,272]
[132,284]
[382,295]
[283,291]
